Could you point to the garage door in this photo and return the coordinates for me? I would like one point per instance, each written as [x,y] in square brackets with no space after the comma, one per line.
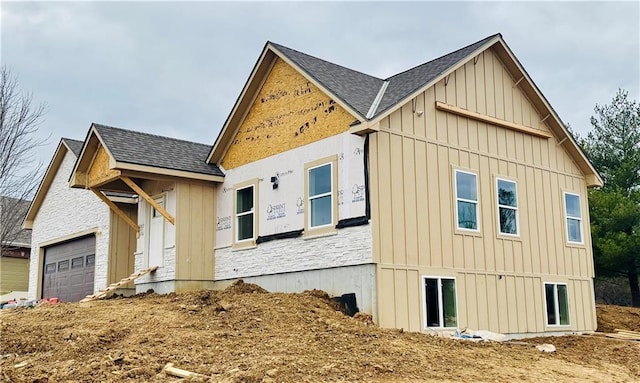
[68,269]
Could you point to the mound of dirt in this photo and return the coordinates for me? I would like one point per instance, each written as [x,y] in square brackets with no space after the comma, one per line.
[245,334]
[618,317]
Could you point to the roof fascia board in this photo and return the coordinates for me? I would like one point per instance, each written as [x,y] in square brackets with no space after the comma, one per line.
[83,164]
[306,75]
[245,112]
[216,153]
[574,148]
[43,188]
[428,85]
[167,172]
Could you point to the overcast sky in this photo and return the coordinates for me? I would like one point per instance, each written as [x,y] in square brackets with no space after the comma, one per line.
[176,69]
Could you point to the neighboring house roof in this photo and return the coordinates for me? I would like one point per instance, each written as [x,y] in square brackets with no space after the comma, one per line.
[369,99]
[146,149]
[65,145]
[13,212]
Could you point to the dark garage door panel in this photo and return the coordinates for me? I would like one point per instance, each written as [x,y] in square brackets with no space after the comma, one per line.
[68,269]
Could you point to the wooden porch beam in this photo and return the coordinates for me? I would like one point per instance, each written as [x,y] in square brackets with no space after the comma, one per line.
[118,211]
[148,198]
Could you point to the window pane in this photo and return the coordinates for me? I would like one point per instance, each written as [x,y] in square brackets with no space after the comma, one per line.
[50,268]
[572,204]
[449,302]
[320,180]
[573,228]
[551,304]
[467,215]
[431,297]
[507,193]
[244,200]
[245,226]
[77,262]
[563,304]
[321,211]
[63,265]
[466,186]
[508,224]
[91,260]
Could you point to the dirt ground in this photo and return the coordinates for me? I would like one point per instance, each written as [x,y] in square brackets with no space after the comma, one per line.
[244,334]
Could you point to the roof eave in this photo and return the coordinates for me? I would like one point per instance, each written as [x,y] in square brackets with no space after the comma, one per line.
[126,166]
[43,188]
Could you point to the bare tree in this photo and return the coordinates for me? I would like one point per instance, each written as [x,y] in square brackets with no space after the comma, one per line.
[20,172]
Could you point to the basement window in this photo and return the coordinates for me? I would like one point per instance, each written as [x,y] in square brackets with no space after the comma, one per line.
[557,302]
[573,215]
[466,185]
[440,302]
[507,207]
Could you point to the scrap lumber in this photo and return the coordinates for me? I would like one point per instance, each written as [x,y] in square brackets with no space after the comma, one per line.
[170,370]
[104,292]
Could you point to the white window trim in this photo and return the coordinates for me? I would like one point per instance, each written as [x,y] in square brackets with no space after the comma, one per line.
[567,217]
[238,215]
[517,209]
[557,304]
[477,202]
[441,313]
[330,193]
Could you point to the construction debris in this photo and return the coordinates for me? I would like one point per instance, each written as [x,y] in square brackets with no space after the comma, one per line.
[112,287]
[170,370]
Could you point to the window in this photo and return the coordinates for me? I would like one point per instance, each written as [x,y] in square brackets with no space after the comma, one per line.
[440,302]
[50,268]
[245,213]
[557,304]
[63,265]
[466,200]
[507,207]
[320,196]
[573,215]
[77,263]
[91,260]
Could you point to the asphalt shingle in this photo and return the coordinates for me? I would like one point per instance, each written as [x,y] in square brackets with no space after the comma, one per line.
[74,145]
[151,150]
[356,89]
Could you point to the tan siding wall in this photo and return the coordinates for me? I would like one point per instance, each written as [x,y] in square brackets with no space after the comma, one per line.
[14,274]
[122,245]
[500,280]
[195,231]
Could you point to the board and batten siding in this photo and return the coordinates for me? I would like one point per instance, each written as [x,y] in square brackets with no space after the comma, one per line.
[122,245]
[195,232]
[499,280]
[14,274]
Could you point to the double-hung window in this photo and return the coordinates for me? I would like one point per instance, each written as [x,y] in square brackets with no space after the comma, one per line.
[320,199]
[245,213]
[440,302]
[466,185]
[557,301]
[573,216]
[507,207]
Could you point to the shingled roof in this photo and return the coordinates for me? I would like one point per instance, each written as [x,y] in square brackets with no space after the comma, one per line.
[74,145]
[354,88]
[157,151]
[359,90]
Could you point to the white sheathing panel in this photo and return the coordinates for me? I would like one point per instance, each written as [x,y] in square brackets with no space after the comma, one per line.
[168,269]
[350,246]
[65,212]
[282,210]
